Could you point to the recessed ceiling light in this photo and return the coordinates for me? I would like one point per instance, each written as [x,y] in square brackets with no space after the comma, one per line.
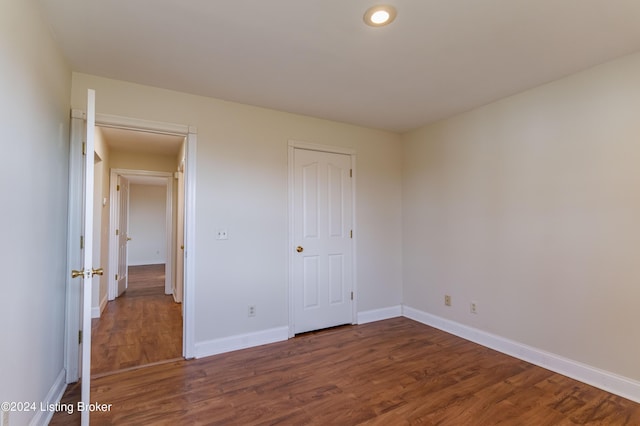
[377,16]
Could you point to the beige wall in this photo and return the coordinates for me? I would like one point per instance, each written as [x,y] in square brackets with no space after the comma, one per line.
[530,207]
[147,225]
[35,84]
[142,161]
[242,186]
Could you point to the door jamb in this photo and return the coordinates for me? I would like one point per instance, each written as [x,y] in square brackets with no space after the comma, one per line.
[292,146]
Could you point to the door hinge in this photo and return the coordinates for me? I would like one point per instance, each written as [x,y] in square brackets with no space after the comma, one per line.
[351,295]
[350,172]
[117,232]
[116,277]
[84,148]
[81,242]
[79,337]
[351,234]
[117,187]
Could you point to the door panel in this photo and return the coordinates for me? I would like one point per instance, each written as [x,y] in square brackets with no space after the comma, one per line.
[322,265]
[310,200]
[336,279]
[310,281]
[335,198]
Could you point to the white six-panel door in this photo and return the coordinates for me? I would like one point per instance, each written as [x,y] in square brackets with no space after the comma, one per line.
[323,249]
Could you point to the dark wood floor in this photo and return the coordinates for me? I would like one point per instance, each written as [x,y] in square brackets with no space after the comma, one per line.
[143,326]
[393,372]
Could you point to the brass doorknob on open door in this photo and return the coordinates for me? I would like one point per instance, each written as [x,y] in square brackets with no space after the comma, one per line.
[76,274]
[299,249]
[129,238]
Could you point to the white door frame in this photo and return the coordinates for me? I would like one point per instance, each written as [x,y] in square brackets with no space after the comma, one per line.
[293,145]
[114,196]
[72,354]
[178,243]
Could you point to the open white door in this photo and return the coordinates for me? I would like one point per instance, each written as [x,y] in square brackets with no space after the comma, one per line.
[123,234]
[87,272]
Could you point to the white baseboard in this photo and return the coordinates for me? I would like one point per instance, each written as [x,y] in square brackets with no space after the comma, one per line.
[605,380]
[96,311]
[379,314]
[241,341]
[53,397]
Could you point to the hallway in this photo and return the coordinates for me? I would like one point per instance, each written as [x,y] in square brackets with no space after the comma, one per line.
[141,327]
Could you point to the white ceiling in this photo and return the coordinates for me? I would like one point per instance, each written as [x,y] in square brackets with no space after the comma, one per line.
[317,58]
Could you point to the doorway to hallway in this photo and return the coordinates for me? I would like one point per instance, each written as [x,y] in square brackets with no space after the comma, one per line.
[142,322]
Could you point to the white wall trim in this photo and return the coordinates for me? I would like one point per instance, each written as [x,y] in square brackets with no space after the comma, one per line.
[170,234]
[241,341]
[322,148]
[128,123]
[53,397]
[189,268]
[379,314]
[605,380]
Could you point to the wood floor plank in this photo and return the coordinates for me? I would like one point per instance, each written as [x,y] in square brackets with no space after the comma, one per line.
[143,326]
[392,372]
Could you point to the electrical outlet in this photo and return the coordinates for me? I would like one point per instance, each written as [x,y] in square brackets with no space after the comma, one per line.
[474,308]
[252,310]
[447,300]
[222,234]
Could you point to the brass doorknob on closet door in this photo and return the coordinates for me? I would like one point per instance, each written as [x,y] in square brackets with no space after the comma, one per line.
[99,271]
[299,249]
[129,238]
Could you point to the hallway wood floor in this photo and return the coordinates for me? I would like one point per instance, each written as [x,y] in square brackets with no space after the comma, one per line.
[143,326]
[392,372]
